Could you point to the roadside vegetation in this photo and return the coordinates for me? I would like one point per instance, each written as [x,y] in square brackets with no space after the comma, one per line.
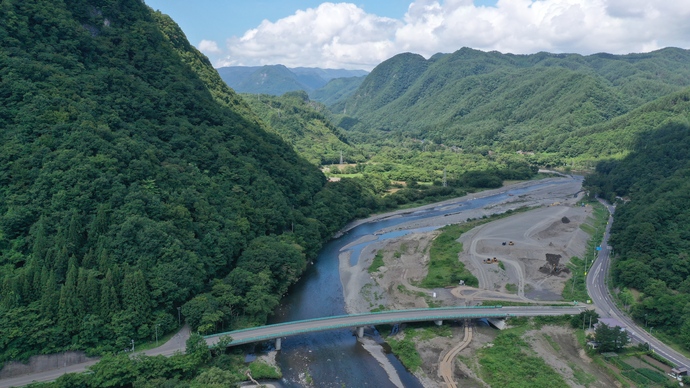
[650,234]
[575,288]
[198,367]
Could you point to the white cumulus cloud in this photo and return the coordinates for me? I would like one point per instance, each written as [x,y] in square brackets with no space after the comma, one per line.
[331,36]
[209,47]
[343,35]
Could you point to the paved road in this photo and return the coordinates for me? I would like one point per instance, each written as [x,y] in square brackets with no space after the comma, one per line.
[597,286]
[176,343]
[357,320]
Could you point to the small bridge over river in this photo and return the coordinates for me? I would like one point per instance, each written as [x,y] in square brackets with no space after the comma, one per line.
[359,321]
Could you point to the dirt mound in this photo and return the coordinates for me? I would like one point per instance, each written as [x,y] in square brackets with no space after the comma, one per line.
[553,266]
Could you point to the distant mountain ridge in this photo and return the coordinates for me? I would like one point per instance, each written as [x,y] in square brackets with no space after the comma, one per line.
[534,102]
[278,79]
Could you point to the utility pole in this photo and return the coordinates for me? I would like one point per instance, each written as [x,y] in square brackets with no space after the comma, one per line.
[132,346]
[445,182]
[179,321]
[341,157]
[158,324]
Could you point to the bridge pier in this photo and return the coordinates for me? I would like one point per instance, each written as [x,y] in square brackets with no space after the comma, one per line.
[439,322]
[360,332]
[279,343]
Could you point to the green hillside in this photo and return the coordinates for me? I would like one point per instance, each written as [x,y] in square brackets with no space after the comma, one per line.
[651,236]
[616,136]
[336,90]
[132,179]
[508,102]
[298,122]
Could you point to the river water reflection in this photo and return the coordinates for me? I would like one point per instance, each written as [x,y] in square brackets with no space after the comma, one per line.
[336,358]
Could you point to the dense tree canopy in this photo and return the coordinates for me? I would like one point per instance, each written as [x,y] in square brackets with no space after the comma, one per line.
[132,180]
[651,233]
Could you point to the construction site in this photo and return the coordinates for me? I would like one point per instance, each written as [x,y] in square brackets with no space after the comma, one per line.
[520,258]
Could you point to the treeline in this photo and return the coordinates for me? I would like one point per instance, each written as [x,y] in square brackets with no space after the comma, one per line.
[651,233]
[132,180]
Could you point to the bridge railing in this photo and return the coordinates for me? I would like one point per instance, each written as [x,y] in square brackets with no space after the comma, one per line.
[378,318]
[388,312]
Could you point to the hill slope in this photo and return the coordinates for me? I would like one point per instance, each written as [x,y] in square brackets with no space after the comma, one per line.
[133,179]
[651,236]
[298,122]
[532,102]
[336,90]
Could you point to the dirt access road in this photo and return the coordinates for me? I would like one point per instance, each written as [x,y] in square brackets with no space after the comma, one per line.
[534,234]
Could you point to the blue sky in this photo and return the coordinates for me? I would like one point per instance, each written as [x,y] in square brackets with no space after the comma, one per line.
[218,19]
[362,33]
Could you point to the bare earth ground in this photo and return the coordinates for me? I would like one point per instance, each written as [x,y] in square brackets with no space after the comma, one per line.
[534,234]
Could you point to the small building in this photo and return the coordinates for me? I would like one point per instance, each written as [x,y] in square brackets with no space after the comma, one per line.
[612,322]
[678,373]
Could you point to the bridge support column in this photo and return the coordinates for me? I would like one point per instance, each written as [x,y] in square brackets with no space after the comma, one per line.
[360,332]
[439,322]
[279,342]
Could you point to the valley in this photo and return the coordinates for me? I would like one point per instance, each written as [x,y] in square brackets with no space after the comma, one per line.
[140,195]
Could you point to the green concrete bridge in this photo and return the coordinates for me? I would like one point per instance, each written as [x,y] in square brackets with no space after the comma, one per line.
[359,321]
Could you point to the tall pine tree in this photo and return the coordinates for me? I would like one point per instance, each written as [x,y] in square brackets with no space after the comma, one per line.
[70,307]
[110,302]
[136,297]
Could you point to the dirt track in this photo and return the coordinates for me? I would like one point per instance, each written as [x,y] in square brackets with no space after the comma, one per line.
[446,366]
[534,234]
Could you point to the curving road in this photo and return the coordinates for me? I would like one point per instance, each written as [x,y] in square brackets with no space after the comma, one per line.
[597,287]
[173,345]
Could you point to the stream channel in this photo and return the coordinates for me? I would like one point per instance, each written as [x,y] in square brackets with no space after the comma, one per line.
[335,358]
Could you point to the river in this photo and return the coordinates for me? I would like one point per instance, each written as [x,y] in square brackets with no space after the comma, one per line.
[336,358]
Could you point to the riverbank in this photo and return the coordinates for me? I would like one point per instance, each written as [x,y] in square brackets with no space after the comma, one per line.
[480,194]
[551,228]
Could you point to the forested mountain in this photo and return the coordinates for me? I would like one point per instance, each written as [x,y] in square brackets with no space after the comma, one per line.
[651,235]
[278,79]
[510,102]
[299,122]
[133,179]
[336,90]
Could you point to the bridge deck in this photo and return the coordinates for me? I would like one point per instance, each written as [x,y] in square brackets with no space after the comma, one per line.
[269,332]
